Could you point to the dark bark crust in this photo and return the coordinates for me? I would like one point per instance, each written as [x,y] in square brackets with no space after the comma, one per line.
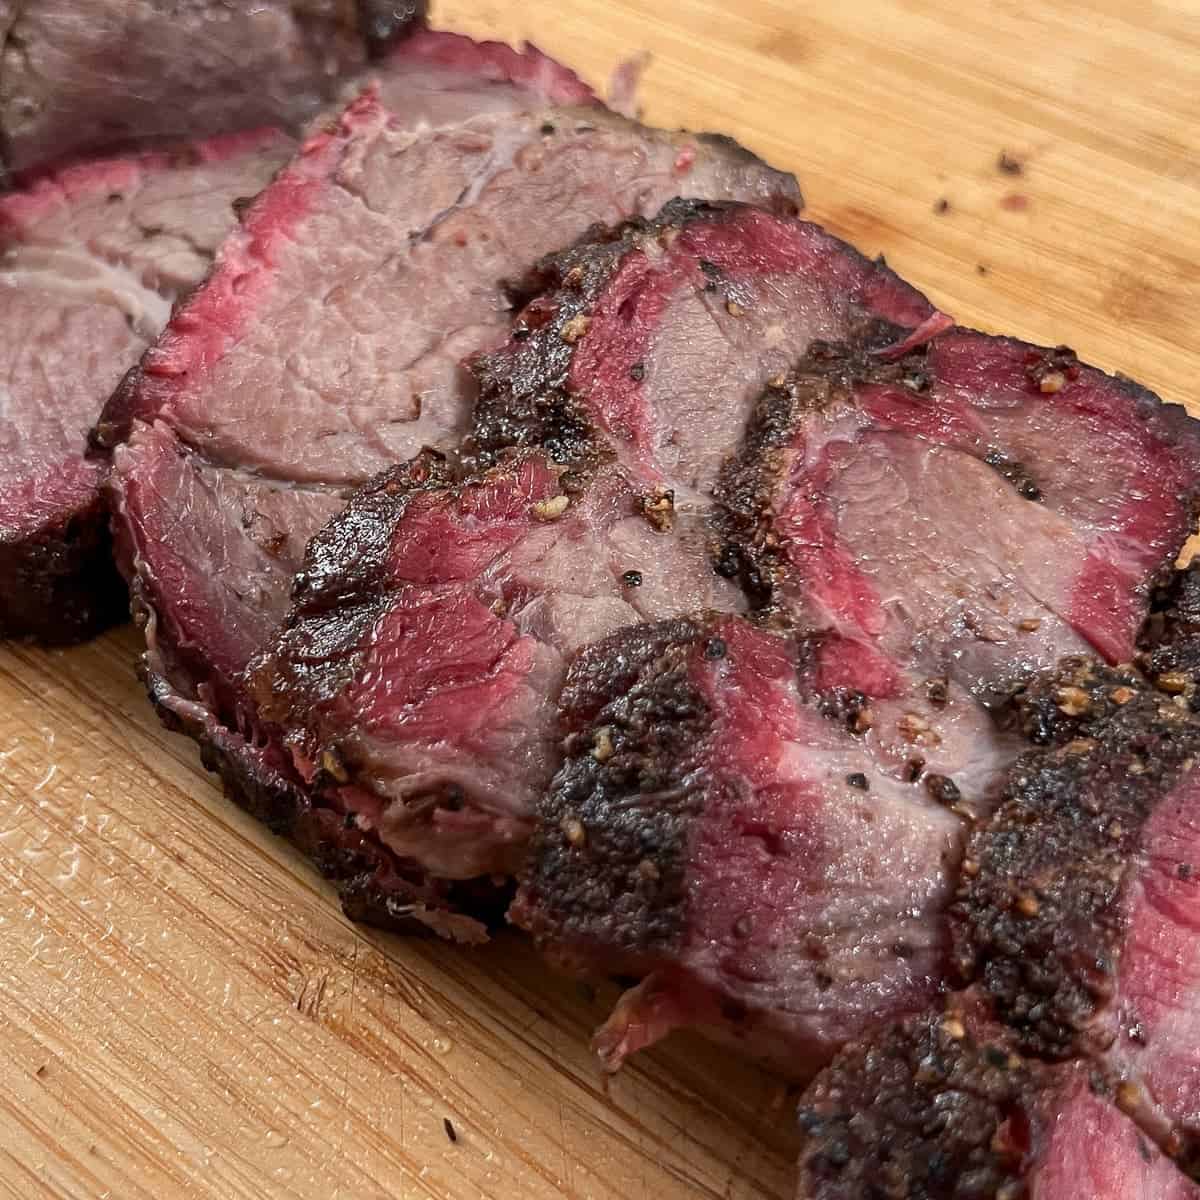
[745,493]
[950,1107]
[827,376]
[635,728]
[1170,640]
[523,398]
[60,586]
[338,594]
[1039,919]
[924,1112]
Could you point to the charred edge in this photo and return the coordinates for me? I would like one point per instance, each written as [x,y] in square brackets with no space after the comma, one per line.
[60,585]
[607,862]
[382,23]
[339,593]
[1077,701]
[826,376]
[1170,639]
[288,683]
[608,669]
[1038,917]
[523,400]
[374,886]
[922,1113]
[344,562]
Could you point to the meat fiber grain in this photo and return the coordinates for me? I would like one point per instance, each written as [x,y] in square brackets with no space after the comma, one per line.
[91,259]
[1067,1067]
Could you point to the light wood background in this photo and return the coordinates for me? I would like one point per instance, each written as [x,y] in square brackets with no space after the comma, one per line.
[183,1010]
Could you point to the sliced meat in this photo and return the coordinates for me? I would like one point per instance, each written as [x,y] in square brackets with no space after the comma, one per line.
[331,259]
[960,518]
[91,259]
[223,544]
[380,257]
[106,75]
[662,338]
[715,831]
[869,512]
[430,670]
[429,638]
[1068,1067]
[941,1109]
[1078,918]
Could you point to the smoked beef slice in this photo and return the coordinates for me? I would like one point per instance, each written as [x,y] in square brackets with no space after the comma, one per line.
[805,821]
[91,259]
[1075,928]
[326,346]
[941,1109]
[717,834]
[954,522]
[101,75]
[432,627]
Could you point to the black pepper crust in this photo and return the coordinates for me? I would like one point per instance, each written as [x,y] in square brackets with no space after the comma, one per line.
[1039,916]
[523,398]
[1170,640]
[924,1112]
[346,560]
[337,595]
[608,859]
[828,376]
[60,585]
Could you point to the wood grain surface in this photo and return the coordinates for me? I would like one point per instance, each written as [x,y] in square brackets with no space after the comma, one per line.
[183,1009]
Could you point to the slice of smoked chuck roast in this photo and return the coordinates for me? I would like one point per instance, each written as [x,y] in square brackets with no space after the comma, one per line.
[953,522]
[79,78]
[1068,1068]
[417,678]
[326,345]
[91,259]
[925,585]
[716,832]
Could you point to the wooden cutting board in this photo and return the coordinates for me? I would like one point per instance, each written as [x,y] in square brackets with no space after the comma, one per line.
[183,1009]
